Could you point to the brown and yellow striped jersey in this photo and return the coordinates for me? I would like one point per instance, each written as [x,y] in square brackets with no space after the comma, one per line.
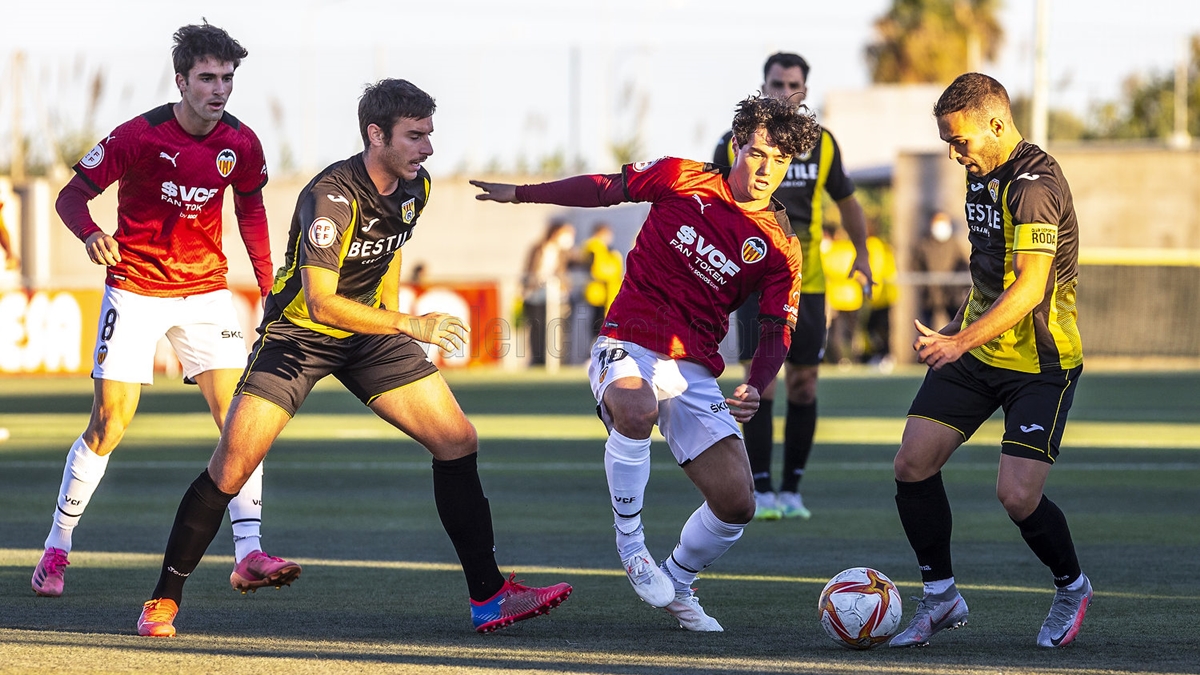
[343,224]
[1024,206]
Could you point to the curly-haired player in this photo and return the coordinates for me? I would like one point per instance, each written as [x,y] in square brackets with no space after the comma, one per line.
[713,236]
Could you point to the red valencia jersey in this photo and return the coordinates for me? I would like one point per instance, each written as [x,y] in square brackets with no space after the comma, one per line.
[169,199]
[696,259]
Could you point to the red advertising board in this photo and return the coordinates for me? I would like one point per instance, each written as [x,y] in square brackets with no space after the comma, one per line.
[54,331]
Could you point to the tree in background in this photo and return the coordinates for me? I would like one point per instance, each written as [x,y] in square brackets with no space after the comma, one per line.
[933,41]
[1146,108]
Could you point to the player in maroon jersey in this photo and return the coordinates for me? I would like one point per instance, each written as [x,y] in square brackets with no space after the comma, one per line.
[712,237]
[166,276]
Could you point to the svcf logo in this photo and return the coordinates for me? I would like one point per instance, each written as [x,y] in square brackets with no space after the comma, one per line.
[753,250]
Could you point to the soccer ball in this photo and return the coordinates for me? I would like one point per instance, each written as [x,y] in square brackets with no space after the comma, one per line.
[860,608]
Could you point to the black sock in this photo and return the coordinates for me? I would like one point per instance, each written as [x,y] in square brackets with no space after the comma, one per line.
[1047,534]
[798,434]
[759,432]
[196,523]
[925,513]
[468,521]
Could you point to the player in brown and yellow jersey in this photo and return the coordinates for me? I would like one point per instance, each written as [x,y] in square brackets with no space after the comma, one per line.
[1014,344]
[810,177]
[331,312]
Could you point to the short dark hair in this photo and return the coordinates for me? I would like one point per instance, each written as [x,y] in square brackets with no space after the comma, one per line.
[786,60]
[974,94]
[389,100]
[194,42]
[792,129]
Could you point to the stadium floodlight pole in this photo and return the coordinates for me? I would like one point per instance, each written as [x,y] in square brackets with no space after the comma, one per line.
[1039,125]
[17,170]
[1180,139]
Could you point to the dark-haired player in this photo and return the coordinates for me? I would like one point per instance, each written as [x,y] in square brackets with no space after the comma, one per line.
[1014,345]
[329,314]
[812,174]
[166,276]
[712,236]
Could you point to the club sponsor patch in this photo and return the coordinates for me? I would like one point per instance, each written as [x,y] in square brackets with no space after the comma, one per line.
[322,232]
[93,158]
[226,160]
[753,250]
[408,211]
[642,166]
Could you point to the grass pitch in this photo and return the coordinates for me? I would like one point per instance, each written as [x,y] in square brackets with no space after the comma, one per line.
[351,500]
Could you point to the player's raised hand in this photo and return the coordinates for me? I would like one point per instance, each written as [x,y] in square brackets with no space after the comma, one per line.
[744,403]
[496,192]
[103,249]
[446,331]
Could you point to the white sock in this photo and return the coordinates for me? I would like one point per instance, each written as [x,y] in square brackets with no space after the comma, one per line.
[81,476]
[627,465]
[245,512]
[938,587]
[704,538]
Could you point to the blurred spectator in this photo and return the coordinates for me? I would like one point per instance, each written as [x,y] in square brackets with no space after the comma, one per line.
[418,277]
[11,260]
[605,268]
[939,252]
[843,295]
[547,265]
[877,349]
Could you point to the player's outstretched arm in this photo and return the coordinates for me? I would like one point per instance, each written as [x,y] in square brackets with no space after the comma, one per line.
[587,190]
[496,192]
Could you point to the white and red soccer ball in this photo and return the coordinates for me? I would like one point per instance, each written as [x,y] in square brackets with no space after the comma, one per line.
[860,608]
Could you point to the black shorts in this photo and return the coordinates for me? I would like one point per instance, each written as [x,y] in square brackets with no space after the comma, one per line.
[808,340]
[287,362]
[965,393]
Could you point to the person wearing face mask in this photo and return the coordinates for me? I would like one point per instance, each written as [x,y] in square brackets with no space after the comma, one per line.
[938,252]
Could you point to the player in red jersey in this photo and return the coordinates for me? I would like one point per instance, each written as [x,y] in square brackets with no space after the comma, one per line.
[712,237]
[166,276]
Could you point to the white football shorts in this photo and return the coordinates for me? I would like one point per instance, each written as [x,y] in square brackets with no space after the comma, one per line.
[203,330]
[692,412]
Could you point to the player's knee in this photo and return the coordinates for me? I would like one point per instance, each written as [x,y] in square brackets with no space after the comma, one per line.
[742,513]
[1018,500]
[910,467]
[464,441]
[634,421]
[802,385]
[104,433]
[468,441]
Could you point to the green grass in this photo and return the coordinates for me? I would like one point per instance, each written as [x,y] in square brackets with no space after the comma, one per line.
[381,592]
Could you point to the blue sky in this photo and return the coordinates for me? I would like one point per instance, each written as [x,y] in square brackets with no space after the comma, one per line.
[502,70]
